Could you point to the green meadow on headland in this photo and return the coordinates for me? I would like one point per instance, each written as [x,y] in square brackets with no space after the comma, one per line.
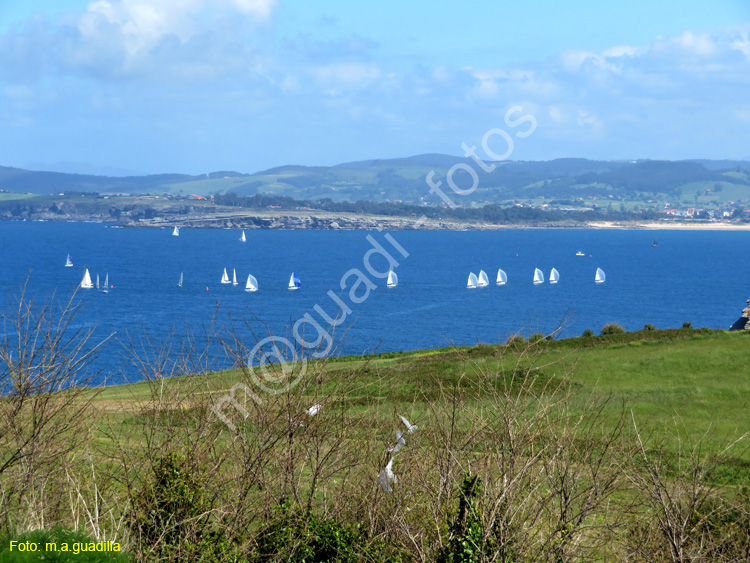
[619,447]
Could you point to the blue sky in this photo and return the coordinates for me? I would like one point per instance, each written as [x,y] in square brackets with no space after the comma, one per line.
[200,85]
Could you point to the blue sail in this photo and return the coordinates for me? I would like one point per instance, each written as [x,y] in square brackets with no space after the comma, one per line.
[294,282]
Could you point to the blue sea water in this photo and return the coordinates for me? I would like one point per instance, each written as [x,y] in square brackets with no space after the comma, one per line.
[696,276]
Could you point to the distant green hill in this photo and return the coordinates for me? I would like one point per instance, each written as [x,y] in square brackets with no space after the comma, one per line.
[403,179]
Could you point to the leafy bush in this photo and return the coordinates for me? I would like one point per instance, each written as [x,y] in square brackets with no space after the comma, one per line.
[465,543]
[58,536]
[687,325]
[171,515]
[649,327]
[294,537]
[588,333]
[515,341]
[536,337]
[612,328]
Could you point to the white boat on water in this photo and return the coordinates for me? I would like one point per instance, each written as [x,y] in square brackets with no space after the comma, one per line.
[243,238]
[225,277]
[601,277]
[69,262]
[502,277]
[538,276]
[176,232]
[97,281]
[179,283]
[106,283]
[482,280]
[252,283]
[234,277]
[294,282]
[554,276]
[86,281]
[579,253]
[392,279]
[472,281]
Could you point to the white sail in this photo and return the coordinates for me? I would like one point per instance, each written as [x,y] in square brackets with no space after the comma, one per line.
[482,280]
[69,262]
[294,281]
[472,281]
[106,283]
[502,277]
[97,281]
[234,276]
[538,276]
[176,232]
[392,279]
[86,281]
[600,276]
[554,276]
[179,284]
[225,277]
[252,283]
[242,238]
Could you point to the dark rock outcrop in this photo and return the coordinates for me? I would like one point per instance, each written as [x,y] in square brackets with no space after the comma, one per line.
[743,323]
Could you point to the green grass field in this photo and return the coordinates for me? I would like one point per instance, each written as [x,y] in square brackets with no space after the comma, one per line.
[696,381]
[597,448]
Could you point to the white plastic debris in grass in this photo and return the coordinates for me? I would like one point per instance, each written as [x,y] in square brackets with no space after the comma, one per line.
[387,478]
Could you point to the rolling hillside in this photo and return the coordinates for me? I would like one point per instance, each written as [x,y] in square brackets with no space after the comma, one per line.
[403,179]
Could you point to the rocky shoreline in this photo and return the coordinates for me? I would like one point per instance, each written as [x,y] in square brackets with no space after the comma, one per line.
[202,217]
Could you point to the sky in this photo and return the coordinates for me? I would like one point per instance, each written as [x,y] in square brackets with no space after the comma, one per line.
[195,86]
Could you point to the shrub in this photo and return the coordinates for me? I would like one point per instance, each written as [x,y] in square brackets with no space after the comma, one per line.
[171,514]
[536,337]
[687,325]
[588,333]
[649,327]
[515,341]
[293,536]
[465,543]
[612,328]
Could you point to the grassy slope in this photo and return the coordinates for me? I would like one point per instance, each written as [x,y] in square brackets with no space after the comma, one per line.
[698,380]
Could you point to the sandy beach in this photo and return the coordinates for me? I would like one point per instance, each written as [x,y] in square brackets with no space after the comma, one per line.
[671,226]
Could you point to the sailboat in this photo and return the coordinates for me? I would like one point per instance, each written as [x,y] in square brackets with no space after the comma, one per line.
[654,243]
[234,276]
[294,282]
[554,276]
[538,276]
[86,281]
[69,262]
[106,283]
[242,238]
[225,277]
[176,232]
[600,276]
[482,280]
[252,283]
[579,253]
[179,284]
[97,281]
[502,277]
[472,281]
[392,279]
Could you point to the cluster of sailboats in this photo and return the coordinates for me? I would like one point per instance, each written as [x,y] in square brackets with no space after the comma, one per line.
[86,282]
[250,285]
[482,280]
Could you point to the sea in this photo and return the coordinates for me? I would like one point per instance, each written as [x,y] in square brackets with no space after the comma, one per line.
[343,305]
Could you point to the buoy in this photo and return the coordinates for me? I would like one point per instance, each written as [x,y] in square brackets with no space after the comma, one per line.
[206,288]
